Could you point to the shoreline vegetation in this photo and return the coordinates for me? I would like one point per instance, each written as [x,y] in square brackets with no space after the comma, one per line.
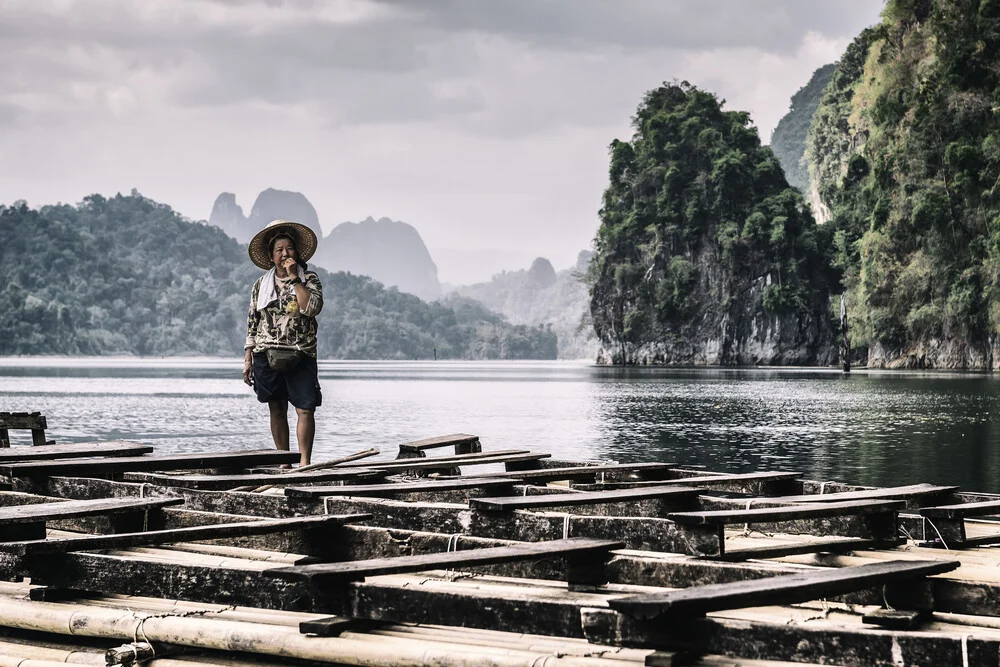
[127,275]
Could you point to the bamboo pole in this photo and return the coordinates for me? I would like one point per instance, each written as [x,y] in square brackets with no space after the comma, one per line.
[77,656]
[222,635]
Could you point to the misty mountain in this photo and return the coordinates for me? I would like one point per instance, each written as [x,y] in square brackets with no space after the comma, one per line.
[228,216]
[273,204]
[391,252]
[539,296]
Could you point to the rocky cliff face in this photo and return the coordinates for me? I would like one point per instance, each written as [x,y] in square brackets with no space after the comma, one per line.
[705,255]
[228,216]
[391,252]
[733,328]
[904,152]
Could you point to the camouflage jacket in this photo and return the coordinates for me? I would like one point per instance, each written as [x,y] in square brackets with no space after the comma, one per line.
[284,322]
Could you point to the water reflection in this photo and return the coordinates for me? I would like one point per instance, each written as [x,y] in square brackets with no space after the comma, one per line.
[870,428]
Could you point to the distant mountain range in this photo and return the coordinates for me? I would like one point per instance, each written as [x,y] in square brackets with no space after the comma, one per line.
[394,254]
[128,275]
[540,295]
[388,251]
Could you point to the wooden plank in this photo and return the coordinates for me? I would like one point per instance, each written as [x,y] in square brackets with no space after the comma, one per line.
[22,420]
[259,479]
[398,488]
[128,575]
[70,509]
[783,590]
[836,545]
[76,450]
[909,492]
[193,534]
[961,510]
[785,513]
[354,570]
[444,462]
[85,467]
[462,442]
[454,460]
[545,475]
[507,504]
[774,482]
[768,638]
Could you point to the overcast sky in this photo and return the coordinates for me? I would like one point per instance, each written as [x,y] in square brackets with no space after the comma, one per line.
[483,123]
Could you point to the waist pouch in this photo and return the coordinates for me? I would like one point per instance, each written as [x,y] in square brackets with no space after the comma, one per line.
[283,360]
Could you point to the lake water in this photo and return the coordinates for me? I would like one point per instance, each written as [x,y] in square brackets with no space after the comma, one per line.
[876,428]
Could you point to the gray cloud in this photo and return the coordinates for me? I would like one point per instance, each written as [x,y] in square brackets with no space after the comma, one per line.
[387,62]
[774,25]
[483,122]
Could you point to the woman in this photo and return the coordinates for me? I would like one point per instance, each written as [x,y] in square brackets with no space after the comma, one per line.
[280,350]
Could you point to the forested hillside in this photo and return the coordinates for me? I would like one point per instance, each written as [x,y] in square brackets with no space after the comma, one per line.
[788,141]
[126,275]
[905,155]
[705,254]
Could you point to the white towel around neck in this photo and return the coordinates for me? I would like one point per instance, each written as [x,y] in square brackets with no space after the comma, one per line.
[267,292]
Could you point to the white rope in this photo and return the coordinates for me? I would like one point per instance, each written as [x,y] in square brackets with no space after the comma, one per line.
[746,526]
[326,504]
[885,600]
[453,542]
[822,487]
[965,650]
[566,526]
[524,491]
[943,543]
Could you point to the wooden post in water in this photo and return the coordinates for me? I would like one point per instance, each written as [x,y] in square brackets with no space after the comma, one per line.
[845,345]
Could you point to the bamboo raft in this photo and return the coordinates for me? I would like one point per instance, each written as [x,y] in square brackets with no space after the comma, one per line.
[451,555]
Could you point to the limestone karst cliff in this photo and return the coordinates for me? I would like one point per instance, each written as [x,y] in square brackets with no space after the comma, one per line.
[705,254]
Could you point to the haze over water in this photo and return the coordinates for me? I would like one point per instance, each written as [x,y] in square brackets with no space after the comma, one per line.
[875,428]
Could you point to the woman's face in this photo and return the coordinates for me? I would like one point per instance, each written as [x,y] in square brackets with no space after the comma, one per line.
[283,249]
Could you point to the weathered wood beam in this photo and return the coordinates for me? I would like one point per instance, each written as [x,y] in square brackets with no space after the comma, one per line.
[76,450]
[462,442]
[762,640]
[84,468]
[221,482]
[173,581]
[168,536]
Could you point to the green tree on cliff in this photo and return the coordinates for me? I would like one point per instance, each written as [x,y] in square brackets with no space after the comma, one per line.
[905,151]
[701,235]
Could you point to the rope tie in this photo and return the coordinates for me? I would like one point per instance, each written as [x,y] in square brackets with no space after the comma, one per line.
[746,526]
[885,600]
[566,526]
[453,542]
[965,650]
[326,504]
[822,487]
[524,491]
[943,543]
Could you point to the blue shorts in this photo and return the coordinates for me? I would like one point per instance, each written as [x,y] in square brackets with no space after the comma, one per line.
[299,386]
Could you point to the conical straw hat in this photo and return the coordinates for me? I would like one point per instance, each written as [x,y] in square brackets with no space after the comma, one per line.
[305,241]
